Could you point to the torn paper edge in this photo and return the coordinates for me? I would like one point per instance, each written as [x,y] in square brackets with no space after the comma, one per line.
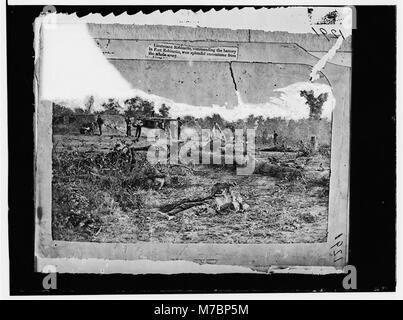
[144,266]
[267,19]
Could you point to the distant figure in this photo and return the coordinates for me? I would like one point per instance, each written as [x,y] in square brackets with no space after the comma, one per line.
[100,122]
[128,126]
[301,145]
[166,126]
[265,135]
[138,125]
[314,144]
[275,136]
[179,126]
[152,114]
[162,125]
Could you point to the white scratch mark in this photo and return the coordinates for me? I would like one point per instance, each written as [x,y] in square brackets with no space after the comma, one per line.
[322,62]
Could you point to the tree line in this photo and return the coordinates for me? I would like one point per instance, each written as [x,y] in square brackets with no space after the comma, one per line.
[133,107]
[138,107]
[289,130]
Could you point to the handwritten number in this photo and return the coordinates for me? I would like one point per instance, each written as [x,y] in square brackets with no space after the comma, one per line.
[338,243]
[341,33]
[337,252]
[334,33]
[336,248]
[315,31]
[324,32]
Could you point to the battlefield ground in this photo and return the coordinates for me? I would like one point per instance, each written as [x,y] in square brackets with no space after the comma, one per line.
[105,190]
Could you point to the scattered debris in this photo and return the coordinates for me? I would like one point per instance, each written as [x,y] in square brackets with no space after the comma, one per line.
[223,196]
[118,189]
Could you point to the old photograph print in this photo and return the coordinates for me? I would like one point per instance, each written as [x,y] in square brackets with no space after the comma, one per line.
[177,134]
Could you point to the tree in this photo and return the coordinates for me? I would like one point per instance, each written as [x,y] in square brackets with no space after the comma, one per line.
[80,111]
[260,120]
[89,103]
[147,108]
[137,107]
[190,120]
[164,110]
[60,110]
[240,124]
[315,103]
[112,106]
[132,106]
[215,118]
[251,121]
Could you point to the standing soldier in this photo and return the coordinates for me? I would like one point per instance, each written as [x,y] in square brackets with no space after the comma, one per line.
[100,122]
[179,126]
[128,126]
[138,124]
[314,144]
[275,136]
[265,136]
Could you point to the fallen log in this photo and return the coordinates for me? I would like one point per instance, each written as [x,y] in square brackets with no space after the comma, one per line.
[225,198]
[281,171]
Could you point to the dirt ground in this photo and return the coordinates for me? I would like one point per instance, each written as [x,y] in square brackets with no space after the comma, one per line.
[279,210]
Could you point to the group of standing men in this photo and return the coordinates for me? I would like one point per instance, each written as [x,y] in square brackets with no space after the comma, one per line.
[138,123]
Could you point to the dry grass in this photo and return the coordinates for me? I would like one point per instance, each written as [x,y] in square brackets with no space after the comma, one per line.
[97,198]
